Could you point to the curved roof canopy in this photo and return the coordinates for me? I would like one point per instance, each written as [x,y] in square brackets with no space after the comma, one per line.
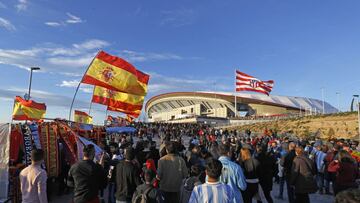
[274,100]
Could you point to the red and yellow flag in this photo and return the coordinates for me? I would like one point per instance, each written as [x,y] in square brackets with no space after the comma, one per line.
[28,110]
[82,117]
[129,118]
[134,114]
[115,99]
[117,74]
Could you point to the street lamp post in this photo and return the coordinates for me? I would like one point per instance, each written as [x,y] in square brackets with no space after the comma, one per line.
[323,100]
[338,101]
[358,110]
[31,71]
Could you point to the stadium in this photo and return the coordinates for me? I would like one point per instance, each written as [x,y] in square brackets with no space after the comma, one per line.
[218,107]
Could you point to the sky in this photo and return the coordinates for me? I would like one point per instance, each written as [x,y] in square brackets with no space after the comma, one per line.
[184,45]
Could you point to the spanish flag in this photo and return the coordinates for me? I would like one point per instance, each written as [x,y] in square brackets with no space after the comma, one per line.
[28,110]
[129,118]
[117,74]
[82,117]
[115,99]
[134,114]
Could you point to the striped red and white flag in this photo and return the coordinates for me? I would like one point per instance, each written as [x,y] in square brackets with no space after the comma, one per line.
[246,82]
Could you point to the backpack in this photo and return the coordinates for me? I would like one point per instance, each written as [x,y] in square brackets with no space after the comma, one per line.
[142,197]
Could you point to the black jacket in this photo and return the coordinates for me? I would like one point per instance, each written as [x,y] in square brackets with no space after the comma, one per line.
[127,179]
[251,168]
[88,178]
[267,170]
[288,161]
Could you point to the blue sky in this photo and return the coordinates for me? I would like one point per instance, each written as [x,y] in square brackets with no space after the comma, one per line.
[185,45]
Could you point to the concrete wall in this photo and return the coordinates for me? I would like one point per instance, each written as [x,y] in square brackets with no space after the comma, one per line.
[265,110]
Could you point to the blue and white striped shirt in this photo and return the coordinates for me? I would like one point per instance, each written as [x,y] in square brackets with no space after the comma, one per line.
[212,193]
[233,175]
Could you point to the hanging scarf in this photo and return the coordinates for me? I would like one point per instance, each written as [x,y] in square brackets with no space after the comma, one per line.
[35,135]
[27,143]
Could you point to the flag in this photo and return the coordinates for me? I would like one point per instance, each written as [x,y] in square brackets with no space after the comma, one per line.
[129,118]
[134,114]
[28,110]
[115,99]
[82,117]
[246,82]
[117,74]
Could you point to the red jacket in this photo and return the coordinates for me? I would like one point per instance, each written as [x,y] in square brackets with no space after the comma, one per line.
[346,172]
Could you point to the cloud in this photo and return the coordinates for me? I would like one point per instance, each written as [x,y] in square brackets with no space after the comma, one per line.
[7,24]
[134,56]
[160,83]
[48,98]
[50,57]
[73,19]
[93,44]
[21,5]
[178,18]
[74,59]
[74,83]
[53,24]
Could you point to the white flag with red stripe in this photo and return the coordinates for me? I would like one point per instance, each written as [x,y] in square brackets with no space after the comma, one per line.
[246,82]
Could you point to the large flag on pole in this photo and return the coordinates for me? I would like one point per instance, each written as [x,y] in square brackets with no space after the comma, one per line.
[115,99]
[28,109]
[82,117]
[134,114]
[246,82]
[117,74]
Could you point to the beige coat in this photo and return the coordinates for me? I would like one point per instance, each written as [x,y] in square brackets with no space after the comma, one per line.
[171,171]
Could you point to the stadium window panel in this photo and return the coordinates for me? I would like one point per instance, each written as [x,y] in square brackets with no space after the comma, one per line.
[171,105]
[182,105]
[209,105]
[163,105]
[205,105]
[189,102]
[177,101]
[221,106]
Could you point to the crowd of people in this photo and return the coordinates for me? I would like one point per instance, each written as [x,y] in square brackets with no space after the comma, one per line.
[180,163]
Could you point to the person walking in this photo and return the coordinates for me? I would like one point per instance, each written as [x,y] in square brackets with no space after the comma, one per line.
[232,174]
[127,177]
[319,158]
[171,172]
[88,176]
[147,191]
[288,161]
[221,193]
[33,180]
[267,170]
[346,171]
[189,183]
[303,176]
[251,169]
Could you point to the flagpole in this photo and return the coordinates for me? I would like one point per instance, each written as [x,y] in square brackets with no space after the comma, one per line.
[91,101]
[235,111]
[12,116]
[77,89]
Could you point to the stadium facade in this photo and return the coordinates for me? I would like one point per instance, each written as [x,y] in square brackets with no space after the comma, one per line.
[181,106]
